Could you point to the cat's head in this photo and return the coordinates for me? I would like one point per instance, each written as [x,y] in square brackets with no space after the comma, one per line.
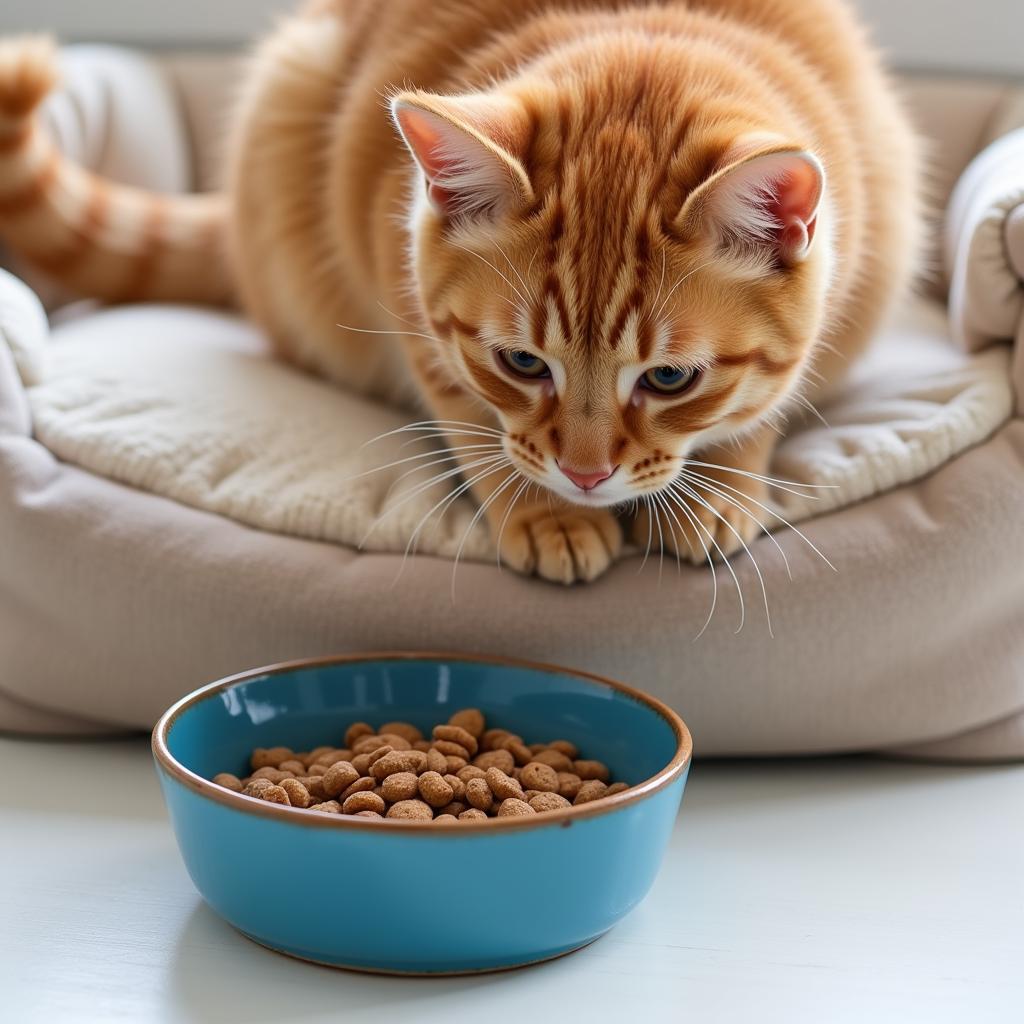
[619,292]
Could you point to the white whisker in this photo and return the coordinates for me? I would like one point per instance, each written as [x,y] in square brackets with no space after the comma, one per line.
[450,453]
[397,334]
[524,486]
[483,259]
[784,522]
[512,266]
[476,518]
[646,498]
[425,485]
[660,501]
[433,427]
[681,281]
[690,492]
[812,409]
[782,485]
[707,484]
[677,500]
[446,502]
[707,555]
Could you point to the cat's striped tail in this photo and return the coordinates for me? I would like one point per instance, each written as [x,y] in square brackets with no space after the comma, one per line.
[95,237]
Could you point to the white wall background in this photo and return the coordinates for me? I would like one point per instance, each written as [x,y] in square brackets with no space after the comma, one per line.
[985,36]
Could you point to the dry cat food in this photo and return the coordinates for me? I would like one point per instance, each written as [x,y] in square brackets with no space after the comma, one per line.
[464,772]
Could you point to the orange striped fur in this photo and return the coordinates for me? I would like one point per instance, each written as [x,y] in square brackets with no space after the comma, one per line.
[723,189]
[97,238]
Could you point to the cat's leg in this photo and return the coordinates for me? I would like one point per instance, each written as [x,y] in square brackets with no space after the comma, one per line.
[535,532]
[715,508]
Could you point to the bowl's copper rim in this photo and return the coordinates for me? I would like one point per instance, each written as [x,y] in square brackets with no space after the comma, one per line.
[315,819]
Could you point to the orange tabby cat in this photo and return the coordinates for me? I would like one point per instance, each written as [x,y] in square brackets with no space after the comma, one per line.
[630,235]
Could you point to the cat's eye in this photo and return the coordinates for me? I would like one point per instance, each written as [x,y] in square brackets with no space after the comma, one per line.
[669,380]
[524,364]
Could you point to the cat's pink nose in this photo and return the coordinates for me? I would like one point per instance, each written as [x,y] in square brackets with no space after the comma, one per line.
[587,481]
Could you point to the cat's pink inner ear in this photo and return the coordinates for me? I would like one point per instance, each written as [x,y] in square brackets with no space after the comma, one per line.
[766,200]
[456,143]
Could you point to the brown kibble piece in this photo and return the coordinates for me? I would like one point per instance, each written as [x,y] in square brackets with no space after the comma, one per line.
[593,789]
[363,802]
[513,808]
[570,750]
[256,786]
[314,786]
[495,759]
[328,807]
[518,750]
[446,819]
[398,761]
[536,748]
[470,719]
[493,738]
[339,777]
[377,754]
[450,749]
[293,766]
[313,756]
[412,810]
[422,745]
[270,757]
[616,787]
[434,790]
[364,784]
[400,786]
[478,793]
[458,786]
[274,775]
[229,781]
[274,794]
[569,784]
[589,770]
[471,772]
[406,730]
[502,786]
[357,730]
[369,814]
[298,795]
[456,734]
[395,740]
[548,802]
[456,807]
[555,759]
[367,744]
[472,815]
[320,768]
[455,765]
[539,776]
[361,763]
[436,761]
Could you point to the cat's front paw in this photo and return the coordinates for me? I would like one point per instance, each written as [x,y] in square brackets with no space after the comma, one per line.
[567,545]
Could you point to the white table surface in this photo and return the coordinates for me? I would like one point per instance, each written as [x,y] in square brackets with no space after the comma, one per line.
[815,891]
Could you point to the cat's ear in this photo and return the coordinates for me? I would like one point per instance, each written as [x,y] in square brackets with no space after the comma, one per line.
[765,197]
[465,146]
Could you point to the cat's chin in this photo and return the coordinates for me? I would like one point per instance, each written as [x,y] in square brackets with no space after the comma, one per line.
[611,497]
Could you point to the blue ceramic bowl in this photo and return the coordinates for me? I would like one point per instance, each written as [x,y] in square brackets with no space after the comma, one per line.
[413,897]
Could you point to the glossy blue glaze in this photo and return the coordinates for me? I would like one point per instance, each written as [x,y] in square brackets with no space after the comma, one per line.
[419,898]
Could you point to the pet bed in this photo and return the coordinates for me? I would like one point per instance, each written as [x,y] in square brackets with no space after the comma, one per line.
[175,505]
